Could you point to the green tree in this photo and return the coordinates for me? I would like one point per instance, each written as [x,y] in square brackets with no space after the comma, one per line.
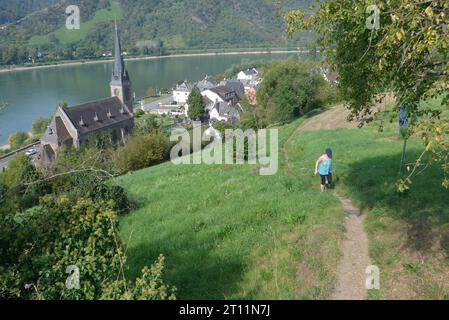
[21,196]
[196,105]
[38,246]
[40,126]
[290,89]
[408,56]
[17,140]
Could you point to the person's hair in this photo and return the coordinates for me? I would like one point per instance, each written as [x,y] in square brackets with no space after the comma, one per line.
[328,152]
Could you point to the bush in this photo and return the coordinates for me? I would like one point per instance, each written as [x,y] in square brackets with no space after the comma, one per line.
[40,126]
[20,197]
[142,151]
[106,192]
[17,140]
[139,113]
[37,247]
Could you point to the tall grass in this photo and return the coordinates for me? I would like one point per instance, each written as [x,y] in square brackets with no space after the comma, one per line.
[228,232]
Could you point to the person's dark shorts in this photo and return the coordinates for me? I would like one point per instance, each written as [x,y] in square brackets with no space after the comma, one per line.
[326,180]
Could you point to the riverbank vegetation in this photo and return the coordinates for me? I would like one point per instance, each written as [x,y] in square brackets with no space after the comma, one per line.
[148,28]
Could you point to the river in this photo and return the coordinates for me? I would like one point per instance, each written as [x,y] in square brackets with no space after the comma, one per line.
[31,94]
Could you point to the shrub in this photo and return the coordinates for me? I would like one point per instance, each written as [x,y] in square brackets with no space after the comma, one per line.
[139,113]
[40,126]
[142,151]
[37,246]
[17,140]
[19,173]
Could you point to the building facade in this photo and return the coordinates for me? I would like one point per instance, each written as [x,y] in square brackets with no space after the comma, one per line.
[72,126]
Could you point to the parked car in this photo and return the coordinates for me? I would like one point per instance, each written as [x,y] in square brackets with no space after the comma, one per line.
[31,152]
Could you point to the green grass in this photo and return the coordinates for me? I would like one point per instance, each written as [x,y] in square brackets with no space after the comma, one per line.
[66,36]
[228,232]
[409,233]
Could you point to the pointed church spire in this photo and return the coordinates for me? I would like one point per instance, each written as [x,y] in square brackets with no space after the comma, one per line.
[119,72]
[121,84]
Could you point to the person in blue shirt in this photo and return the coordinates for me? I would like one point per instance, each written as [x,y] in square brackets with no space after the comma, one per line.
[323,167]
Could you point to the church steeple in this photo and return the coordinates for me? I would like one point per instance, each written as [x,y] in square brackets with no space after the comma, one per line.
[119,72]
[120,83]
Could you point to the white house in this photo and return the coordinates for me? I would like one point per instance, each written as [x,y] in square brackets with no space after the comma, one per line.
[182,91]
[249,75]
[225,111]
[221,94]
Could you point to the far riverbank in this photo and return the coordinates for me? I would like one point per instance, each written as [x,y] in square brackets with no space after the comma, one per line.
[86,62]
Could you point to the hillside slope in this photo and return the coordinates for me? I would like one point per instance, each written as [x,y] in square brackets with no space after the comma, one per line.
[229,233]
[13,10]
[408,233]
[178,23]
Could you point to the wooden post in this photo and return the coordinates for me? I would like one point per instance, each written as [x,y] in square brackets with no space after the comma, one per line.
[403,155]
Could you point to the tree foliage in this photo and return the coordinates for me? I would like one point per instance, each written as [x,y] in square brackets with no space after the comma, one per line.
[38,246]
[290,89]
[17,140]
[196,105]
[40,126]
[142,151]
[408,56]
[149,27]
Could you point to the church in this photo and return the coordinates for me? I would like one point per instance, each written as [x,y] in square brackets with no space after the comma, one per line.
[72,126]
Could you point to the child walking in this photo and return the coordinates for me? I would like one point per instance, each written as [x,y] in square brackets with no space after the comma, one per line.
[323,167]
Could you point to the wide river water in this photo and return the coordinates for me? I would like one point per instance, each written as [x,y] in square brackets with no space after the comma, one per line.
[31,94]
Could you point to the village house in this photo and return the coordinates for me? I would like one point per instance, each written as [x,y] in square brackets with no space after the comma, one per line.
[182,91]
[248,75]
[222,103]
[328,74]
[72,126]
[206,84]
[236,86]
[221,94]
[225,111]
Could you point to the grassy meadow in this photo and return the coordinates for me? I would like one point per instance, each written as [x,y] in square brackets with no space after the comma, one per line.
[228,232]
[408,233]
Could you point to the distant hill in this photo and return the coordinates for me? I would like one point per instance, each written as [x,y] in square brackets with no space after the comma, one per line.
[177,24]
[13,10]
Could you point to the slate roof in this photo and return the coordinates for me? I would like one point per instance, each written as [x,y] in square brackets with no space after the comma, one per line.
[184,86]
[206,83]
[225,93]
[236,86]
[251,72]
[97,115]
[119,72]
[207,101]
[226,109]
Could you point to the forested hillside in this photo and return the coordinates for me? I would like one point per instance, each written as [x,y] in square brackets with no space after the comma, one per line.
[13,10]
[146,24]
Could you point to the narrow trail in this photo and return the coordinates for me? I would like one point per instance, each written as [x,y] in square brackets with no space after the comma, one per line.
[355,259]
